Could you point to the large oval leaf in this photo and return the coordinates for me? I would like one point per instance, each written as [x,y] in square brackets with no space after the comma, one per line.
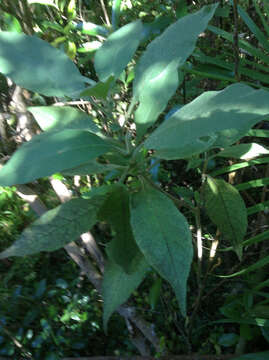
[117,286]
[162,234]
[227,210]
[62,117]
[113,56]
[48,153]
[56,227]
[37,66]
[214,119]
[156,78]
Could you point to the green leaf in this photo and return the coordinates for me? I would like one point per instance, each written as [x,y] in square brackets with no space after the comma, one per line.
[58,118]
[228,340]
[252,184]
[213,119]
[91,167]
[258,133]
[244,151]
[116,52]
[262,206]
[99,90]
[255,30]
[122,249]
[254,356]
[257,265]
[162,234]
[49,152]
[227,210]
[43,2]
[117,286]
[116,8]
[154,292]
[156,73]
[56,228]
[37,66]
[89,28]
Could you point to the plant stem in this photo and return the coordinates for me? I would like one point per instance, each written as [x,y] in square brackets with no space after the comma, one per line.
[235,42]
[105,12]
[199,243]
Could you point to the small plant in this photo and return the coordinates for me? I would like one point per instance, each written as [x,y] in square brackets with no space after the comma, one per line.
[149,224]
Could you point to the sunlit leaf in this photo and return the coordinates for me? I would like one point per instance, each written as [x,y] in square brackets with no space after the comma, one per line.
[244,151]
[156,78]
[37,66]
[113,56]
[51,152]
[214,119]
[62,117]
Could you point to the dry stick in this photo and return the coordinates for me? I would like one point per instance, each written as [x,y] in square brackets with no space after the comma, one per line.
[87,238]
[210,268]
[199,243]
[235,42]
[85,265]
[105,12]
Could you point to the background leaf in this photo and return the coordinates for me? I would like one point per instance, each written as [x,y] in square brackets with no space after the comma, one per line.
[48,153]
[213,119]
[118,286]
[162,234]
[227,210]
[115,53]
[56,228]
[37,66]
[156,77]
[58,118]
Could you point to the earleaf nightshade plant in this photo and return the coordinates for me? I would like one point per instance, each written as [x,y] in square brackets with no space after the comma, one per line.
[151,230]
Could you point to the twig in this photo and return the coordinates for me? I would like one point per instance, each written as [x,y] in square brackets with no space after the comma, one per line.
[199,243]
[105,12]
[235,42]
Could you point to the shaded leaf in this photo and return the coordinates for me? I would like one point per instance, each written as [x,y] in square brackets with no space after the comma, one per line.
[58,118]
[122,249]
[48,153]
[37,66]
[156,78]
[227,210]
[214,119]
[56,228]
[118,286]
[162,234]
[116,52]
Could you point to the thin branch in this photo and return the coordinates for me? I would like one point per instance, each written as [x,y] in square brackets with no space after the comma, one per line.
[199,243]
[235,42]
[105,12]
